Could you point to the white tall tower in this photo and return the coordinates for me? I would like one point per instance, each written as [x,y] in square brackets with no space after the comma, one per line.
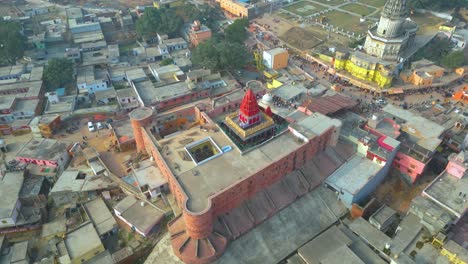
[393,34]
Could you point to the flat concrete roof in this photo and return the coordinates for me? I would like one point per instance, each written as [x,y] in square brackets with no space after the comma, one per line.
[104,257]
[277,237]
[203,180]
[33,88]
[342,255]
[383,214]
[125,93]
[142,217]
[446,189]
[136,74]
[68,181]
[7,101]
[324,244]
[369,233]
[200,182]
[275,51]
[10,187]
[43,149]
[53,228]
[20,251]
[169,91]
[101,216]
[26,105]
[354,174]
[148,174]
[288,92]
[146,91]
[82,240]
[287,230]
[426,133]
[66,104]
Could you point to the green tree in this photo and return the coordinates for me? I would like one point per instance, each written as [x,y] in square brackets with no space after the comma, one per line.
[207,55]
[219,55]
[58,73]
[434,50]
[11,42]
[232,55]
[453,59]
[206,14]
[237,31]
[164,21]
[436,5]
[166,62]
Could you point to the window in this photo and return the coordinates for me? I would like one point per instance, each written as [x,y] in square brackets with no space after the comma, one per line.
[412,166]
[410,171]
[4,221]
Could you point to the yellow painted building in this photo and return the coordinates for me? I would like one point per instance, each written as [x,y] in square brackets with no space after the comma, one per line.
[236,8]
[364,67]
[454,253]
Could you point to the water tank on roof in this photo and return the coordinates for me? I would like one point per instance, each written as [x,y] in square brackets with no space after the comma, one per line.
[267,98]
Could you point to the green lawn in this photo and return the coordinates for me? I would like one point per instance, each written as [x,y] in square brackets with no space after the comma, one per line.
[346,21]
[331,2]
[358,9]
[304,8]
[376,3]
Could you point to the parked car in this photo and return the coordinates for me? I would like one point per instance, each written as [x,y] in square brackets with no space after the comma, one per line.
[99,125]
[380,101]
[91,127]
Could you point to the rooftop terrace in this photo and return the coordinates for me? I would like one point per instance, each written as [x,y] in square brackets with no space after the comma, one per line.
[43,149]
[420,130]
[202,181]
[445,190]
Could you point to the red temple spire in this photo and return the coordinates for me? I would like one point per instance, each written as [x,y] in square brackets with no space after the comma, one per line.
[249,112]
[268,112]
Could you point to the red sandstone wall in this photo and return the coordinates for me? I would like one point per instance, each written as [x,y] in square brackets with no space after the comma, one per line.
[200,225]
[240,191]
[185,99]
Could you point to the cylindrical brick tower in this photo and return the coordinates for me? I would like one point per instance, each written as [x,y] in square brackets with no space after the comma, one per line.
[198,226]
[139,118]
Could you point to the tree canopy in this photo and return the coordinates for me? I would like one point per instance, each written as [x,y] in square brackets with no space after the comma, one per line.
[221,55]
[453,59]
[205,13]
[436,5]
[11,42]
[58,73]
[236,32]
[163,21]
[434,50]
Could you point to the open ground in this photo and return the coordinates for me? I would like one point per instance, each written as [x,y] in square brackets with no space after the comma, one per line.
[358,9]
[304,8]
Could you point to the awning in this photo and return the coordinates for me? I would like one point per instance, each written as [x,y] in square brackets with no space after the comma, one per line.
[99,117]
[396,91]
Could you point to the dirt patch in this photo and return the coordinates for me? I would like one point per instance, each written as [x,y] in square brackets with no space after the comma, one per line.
[300,38]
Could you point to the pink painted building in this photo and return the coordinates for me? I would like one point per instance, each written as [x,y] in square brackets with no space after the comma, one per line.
[45,152]
[419,138]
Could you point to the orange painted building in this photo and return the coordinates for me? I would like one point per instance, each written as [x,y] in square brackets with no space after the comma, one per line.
[423,76]
[461,70]
[461,94]
[198,33]
[276,58]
